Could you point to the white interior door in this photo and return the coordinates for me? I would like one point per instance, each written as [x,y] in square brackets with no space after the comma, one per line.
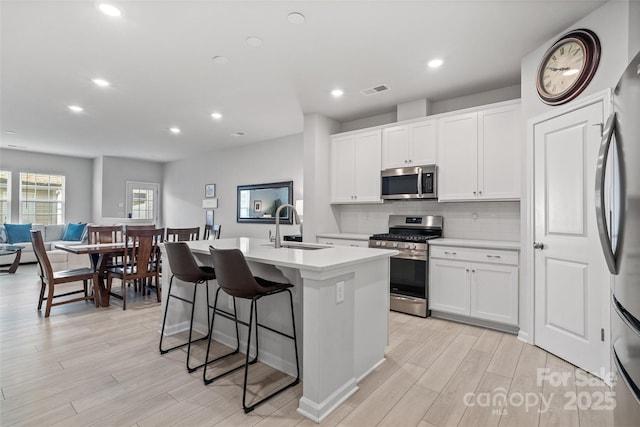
[571,278]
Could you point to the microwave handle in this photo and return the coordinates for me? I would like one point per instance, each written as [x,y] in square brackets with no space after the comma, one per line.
[419,182]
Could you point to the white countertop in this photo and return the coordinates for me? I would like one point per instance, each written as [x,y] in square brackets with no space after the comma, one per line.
[261,250]
[349,236]
[469,243]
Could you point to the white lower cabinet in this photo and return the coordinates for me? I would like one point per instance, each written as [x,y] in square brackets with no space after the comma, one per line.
[449,286]
[479,283]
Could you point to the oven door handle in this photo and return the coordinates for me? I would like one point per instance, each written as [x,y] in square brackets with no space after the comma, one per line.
[419,182]
[415,256]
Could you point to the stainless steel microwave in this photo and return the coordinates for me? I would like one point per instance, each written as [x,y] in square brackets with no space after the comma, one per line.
[416,182]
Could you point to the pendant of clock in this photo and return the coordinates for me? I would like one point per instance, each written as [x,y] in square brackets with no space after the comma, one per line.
[568,66]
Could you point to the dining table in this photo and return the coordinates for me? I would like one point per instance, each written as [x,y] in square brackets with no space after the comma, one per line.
[99,253]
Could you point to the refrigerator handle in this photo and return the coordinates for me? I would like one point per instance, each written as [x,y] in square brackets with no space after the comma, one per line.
[601,218]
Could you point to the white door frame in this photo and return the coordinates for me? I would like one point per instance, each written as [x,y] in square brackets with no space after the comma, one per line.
[526,247]
[156,188]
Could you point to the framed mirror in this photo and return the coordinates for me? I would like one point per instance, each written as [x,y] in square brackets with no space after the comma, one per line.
[259,202]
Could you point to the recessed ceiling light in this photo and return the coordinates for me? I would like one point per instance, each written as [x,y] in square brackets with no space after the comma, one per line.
[10,132]
[216,116]
[435,63]
[175,130]
[337,93]
[109,9]
[238,134]
[101,82]
[254,41]
[220,59]
[75,108]
[295,18]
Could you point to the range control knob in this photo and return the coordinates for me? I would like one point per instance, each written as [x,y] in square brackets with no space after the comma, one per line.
[395,244]
[378,243]
[412,246]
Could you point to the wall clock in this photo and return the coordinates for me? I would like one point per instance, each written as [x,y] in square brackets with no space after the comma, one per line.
[568,66]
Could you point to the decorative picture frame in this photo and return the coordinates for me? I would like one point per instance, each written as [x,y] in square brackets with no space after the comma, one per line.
[257,205]
[210,190]
[209,217]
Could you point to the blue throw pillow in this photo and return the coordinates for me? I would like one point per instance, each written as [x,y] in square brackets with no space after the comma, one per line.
[18,233]
[74,231]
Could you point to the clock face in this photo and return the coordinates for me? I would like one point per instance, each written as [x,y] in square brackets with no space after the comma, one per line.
[563,67]
[568,66]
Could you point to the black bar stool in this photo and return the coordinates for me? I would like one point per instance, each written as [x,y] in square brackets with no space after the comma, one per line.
[184,267]
[235,278]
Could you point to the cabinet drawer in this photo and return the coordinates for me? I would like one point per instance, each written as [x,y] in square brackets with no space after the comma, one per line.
[493,256]
[343,242]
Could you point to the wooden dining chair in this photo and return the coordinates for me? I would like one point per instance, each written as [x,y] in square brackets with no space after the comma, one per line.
[139,227]
[49,278]
[182,234]
[104,234]
[141,262]
[211,232]
[97,234]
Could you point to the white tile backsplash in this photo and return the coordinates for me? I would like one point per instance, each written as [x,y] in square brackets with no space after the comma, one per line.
[462,220]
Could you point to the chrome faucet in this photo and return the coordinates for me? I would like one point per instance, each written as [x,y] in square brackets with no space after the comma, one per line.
[296,220]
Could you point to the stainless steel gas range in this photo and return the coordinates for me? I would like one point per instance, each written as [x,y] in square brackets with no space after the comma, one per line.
[409,272]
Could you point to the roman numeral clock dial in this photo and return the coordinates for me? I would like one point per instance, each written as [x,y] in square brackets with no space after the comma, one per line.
[568,66]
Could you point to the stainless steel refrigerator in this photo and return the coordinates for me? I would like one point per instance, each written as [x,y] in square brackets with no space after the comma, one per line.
[618,217]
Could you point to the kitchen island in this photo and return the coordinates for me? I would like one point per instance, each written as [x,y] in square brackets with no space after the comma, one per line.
[341,304]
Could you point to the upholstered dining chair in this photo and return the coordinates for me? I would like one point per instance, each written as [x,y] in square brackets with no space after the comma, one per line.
[211,232]
[141,262]
[182,234]
[51,279]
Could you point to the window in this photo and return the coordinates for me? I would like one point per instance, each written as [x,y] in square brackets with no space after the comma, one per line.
[142,200]
[5,197]
[41,198]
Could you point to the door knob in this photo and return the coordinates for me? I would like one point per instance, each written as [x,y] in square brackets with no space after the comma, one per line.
[538,245]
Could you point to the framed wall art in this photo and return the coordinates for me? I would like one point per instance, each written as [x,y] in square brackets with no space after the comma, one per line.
[210,190]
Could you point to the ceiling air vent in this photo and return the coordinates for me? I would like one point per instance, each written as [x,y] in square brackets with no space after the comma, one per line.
[374,90]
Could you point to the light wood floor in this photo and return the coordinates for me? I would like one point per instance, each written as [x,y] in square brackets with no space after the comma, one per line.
[86,366]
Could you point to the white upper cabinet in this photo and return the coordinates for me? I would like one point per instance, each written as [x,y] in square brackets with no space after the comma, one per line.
[499,163]
[409,145]
[458,157]
[355,167]
[479,155]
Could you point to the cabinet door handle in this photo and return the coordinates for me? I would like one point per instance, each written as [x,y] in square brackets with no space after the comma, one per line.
[479,192]
[473,271]
[466,269]
[450,253]
[494,256]
[537,245]
[474,193]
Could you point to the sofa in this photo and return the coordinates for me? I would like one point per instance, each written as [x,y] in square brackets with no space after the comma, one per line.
[52,235]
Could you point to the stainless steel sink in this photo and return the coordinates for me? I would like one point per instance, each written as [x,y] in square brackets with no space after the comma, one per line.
[299,246]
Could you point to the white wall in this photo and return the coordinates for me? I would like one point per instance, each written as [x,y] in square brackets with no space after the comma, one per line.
[367,122]
[476,99]
[277,160]
[116,171]
[468,220]
[611,23]
[318,213]
[78,179]
[97,190]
